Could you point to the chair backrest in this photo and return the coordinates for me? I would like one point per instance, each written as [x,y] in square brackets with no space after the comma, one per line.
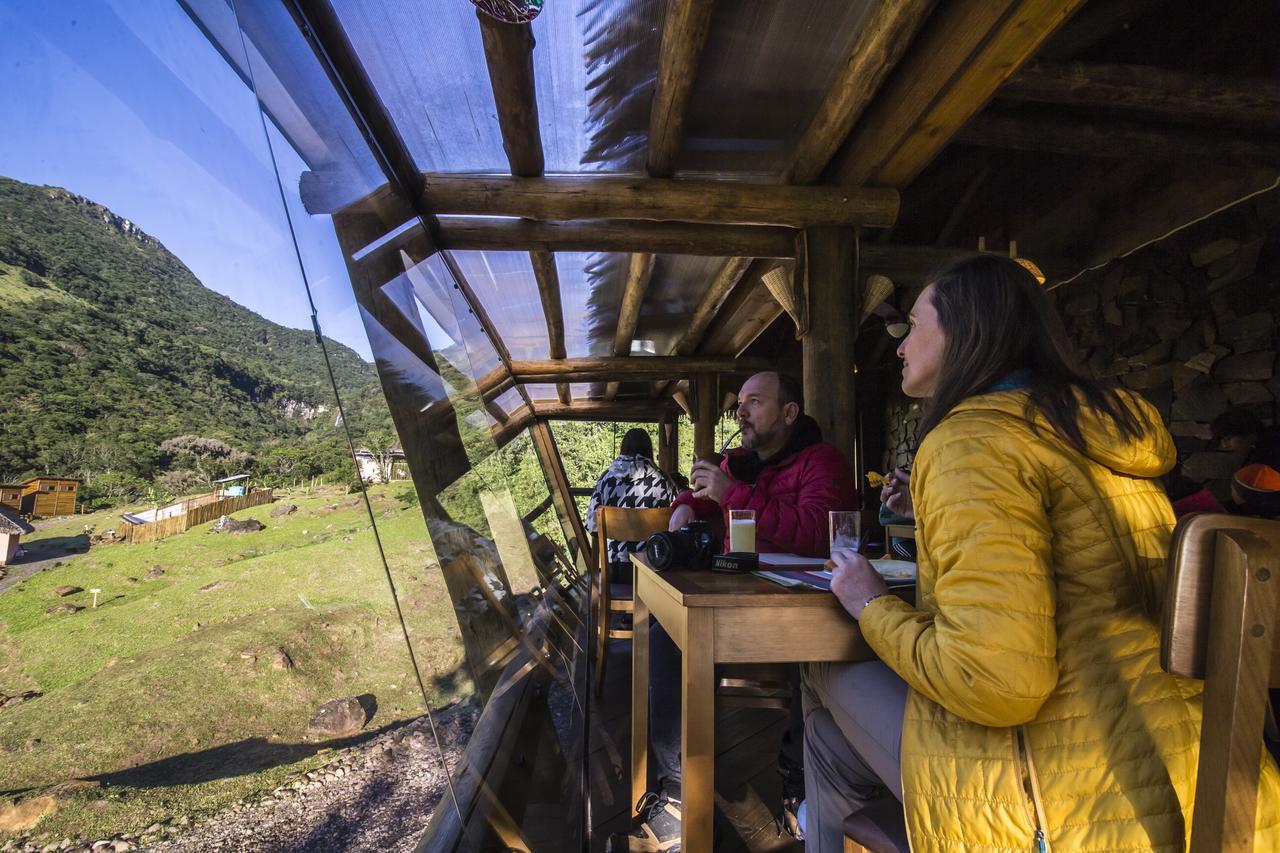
[628,525]
[1220,620]
[1184,634]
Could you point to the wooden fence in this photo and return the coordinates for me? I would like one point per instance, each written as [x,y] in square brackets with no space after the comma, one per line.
[156,530]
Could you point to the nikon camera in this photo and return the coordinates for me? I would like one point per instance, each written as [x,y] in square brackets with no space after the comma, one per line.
[691,547]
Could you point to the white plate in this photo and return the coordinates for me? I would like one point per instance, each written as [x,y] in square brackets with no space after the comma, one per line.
[895,569]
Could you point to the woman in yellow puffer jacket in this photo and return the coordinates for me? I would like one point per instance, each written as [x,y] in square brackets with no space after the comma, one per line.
[1021,704]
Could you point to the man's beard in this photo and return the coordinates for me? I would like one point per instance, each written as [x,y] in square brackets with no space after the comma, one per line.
[753,439]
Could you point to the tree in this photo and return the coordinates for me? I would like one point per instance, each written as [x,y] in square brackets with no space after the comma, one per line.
[208,457]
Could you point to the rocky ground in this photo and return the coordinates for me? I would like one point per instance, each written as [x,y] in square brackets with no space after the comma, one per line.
[378,796]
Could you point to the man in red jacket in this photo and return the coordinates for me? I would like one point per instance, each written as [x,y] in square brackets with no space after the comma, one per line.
[784,471]
[792,479]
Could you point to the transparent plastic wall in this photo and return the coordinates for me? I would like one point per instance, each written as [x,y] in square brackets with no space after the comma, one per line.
[331,665]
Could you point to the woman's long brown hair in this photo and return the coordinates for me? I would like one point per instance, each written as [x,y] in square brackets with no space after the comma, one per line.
[998,320]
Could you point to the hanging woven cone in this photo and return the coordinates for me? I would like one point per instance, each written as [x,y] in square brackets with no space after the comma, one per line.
[878,289]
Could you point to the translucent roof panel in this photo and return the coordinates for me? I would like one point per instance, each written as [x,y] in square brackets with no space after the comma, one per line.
[506,287]
[427,62]
[582,275]
[541,392]
[460,344]
[509,400]
[766,67]
[675,289]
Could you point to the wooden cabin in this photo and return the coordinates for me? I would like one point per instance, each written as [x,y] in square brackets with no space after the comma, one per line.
[618,211]
[46,497]
[11,496]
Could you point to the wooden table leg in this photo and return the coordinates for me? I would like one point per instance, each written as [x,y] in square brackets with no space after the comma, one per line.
[697,731]
[639,699]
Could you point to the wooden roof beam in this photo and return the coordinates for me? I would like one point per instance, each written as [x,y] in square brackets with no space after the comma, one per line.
[639,274]
[1118,140]
[611,197]
[644,411]
[1143,91]
[964,52]
[880,44]
[639,368]
[617,235]
[544,272]
[684,33]
[508,53]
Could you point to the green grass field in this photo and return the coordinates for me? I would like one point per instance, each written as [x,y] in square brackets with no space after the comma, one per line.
[165,694]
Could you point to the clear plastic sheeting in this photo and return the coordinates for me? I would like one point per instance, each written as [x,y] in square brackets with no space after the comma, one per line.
[766,68]
[427,62]
[505,284]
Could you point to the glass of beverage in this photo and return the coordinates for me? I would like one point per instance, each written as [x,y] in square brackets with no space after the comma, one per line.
[742,531]
[845,530]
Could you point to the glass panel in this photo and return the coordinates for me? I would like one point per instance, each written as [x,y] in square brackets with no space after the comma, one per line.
[161,321]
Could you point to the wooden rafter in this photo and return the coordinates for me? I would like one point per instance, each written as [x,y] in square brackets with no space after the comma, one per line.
[611,197]
[544,272]
[1144,92]
[684,33]
[601,410]
[616,235]
[604,368]
[1118,140]
[726,279]
[964,52]
[508,52]
[880,44]
[639,274]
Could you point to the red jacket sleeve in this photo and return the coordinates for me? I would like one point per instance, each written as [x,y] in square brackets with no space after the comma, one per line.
[796,520]
[704,509]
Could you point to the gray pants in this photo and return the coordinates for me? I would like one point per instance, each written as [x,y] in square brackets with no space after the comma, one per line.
[852,742]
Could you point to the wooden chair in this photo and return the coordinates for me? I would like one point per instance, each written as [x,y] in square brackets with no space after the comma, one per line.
[1220,624]
[627,525]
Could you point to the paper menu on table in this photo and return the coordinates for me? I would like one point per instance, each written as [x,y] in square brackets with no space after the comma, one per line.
[793,560]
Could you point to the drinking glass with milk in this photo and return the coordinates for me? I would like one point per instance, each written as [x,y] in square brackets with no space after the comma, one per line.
[742,531]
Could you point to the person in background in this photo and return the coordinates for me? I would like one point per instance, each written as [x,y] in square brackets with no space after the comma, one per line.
[1255,488]
[895,508]
[632,480]
[792,479]
[1020,705]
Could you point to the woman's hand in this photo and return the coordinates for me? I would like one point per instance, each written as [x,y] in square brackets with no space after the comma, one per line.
[853,581]
[683,515]
[896,494]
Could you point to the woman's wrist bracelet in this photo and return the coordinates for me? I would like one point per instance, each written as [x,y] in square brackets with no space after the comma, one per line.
[868,601]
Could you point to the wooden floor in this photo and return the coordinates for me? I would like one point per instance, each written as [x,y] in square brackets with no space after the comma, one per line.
[748,787]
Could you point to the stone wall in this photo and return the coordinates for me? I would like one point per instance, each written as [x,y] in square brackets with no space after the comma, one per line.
[1189,322]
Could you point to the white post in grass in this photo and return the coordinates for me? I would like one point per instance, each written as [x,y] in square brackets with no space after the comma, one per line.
[95,597]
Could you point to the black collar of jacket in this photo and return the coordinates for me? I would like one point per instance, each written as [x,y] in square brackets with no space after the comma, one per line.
[746,465]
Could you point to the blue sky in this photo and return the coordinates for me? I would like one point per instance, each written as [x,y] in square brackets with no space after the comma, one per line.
[127,104]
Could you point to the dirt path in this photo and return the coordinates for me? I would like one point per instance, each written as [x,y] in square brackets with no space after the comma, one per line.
[378,796]
[42,554]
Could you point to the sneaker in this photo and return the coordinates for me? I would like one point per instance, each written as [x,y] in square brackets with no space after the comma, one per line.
[658,830]
[789,819]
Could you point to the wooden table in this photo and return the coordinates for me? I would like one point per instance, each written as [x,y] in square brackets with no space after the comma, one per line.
[721,618]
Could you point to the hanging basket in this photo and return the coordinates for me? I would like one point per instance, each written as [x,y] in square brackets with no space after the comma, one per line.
[510,11]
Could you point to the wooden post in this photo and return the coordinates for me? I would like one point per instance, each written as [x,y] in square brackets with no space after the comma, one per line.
[706,411]
[544,444]
[668,443]
[833,297]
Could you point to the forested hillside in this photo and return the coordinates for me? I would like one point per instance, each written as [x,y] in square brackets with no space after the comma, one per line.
[110,346]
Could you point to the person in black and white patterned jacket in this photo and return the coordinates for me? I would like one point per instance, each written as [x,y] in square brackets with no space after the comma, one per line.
[632,480]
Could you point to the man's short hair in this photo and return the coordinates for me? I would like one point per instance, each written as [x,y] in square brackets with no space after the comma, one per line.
[1236,422]
[790,391]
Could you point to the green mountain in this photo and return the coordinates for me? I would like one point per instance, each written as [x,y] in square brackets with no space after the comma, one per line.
[109,345]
